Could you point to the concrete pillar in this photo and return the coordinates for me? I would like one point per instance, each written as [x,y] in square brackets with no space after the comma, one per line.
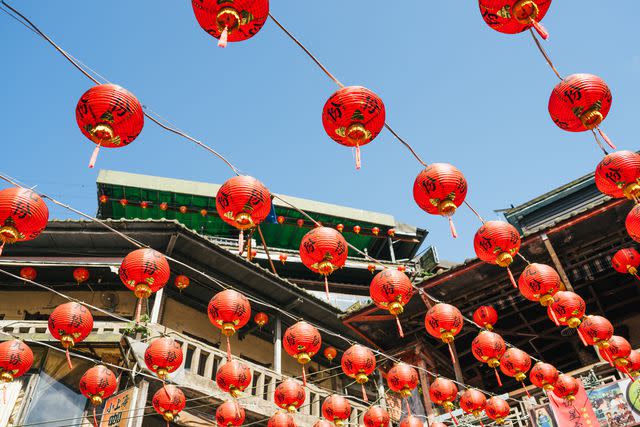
[391,251]
[157,306]
[140,404]
[277,347]
[381,395]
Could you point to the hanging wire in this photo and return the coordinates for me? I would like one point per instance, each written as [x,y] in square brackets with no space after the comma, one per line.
[544,53]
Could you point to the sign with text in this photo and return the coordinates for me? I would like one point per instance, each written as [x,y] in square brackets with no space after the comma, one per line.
[118,409]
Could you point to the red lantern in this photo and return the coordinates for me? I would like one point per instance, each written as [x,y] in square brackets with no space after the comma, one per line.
[229,311]
[567,309]
[391,232]
[443,392]
[168,402]
[323,250]
[181,282]
[440,189]
[375,231]
[330,353]
[81,275]
[515,16]
[632,223]
[203,212]
[376,416]
[233,377]
[356,229]
[472,401]
[16,359]
[595,330]
[444,321]
[618,175]
[230,414]
[402,379]
[412,421]
[283,258]
[183,209]
[391,290]
[103,198]
[28,273]
[163,356]
[164,206]
[124,202]
[323,423]
[97,384]
[617,352]
[580,102]
[488,347]
[289,395]
[281,419]
[144,205]
[340,227]
[539,282]
[144,271]
[243,202]
[633,358]
[336,409]
[497,242]
[371,268]
[485,316]
[110,116]
[261,319]
[231,21]
[23,215]
[543,375]
[280,219]
[353,116]
[358,362]
[302,341]
[300,222]
[626,260]
[497,409]
[516,363]
[566,387]
[402,268]
[70,323]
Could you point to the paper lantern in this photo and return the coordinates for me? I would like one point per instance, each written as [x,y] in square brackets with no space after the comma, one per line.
[376,416]
[515,16]
[539,282]
[70,323]
[281,419]
[336,409]
[402,379]
[566,387]
[485,316]
[169,401]
[581,102]
[444,321]
[144,271]
[567,309]
[375,231]
[81,275]
[103,199]
[633,367]
[230,414]
[497,409]
[618,175]
[97,384]
[163,356]
[413,421]
[181,282]
[497,242]
[283,258]
[229,311]
[124,202]
[16,359]
[144,204]
[289,395]
[28,273]
[233,377]
[280,219]
[323,250]
[110,116]
[543,375]
[595,330]
[443,392]
[488,347]
[323,423]
[617,352]
[23,215]
[391,290]
[302,341]
[330,353]
[472,401]
[632,223]
[625,261]
[440,189]
[515,363]
[353,116]
[164,206]
[231,21]
[358,362]
[261,319]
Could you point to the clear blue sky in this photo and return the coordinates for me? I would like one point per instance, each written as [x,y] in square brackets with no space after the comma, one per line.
[458,91]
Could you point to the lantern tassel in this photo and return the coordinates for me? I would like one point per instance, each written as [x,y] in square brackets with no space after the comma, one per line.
[408,407]
[138,310]
[525,389]
[607,356]
[2,247]
[626,371]
[480,421]
[69,359]
[582,337]
[326,287]
[453,417]
[94,156]
[540,29]
[400,331]
[364,394]
[452,227]
[228,349]
[223,38]
[95,418]
[554,317]
[304,377]
[453,357]
[241,242]
[511,278]
[606,139]
[358,163]
[498,377]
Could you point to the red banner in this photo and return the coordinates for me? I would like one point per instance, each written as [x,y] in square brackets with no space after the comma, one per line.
[578,413]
